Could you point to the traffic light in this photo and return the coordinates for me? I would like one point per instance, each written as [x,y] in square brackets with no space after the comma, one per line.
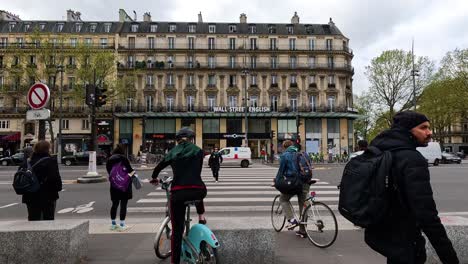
[90,94]
[100,96]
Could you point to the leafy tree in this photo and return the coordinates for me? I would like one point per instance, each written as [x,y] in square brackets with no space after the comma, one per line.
[363,125]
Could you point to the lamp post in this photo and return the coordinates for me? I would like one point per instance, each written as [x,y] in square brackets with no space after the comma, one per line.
[246,72]
[414,73]
[59,139]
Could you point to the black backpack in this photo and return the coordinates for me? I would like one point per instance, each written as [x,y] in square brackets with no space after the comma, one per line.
[289,184]
[365,187]
[304,163]
[25,181]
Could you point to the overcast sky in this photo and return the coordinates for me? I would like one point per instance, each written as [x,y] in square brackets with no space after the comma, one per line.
[372,26]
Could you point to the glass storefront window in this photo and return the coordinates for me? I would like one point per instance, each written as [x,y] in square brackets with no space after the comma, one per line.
[313,135]
[160,126]
[211,126]
[350,136]
[333,137]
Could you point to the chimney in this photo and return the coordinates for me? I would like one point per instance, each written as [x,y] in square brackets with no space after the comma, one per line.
[331,23]
[147,17]
[72,16]
[243,18]
[134,16]
[295,19]
[200,18]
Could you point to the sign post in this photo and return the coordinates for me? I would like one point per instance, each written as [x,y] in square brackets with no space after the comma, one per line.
[38,98]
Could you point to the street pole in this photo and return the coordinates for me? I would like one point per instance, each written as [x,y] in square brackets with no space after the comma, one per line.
[59,139]
[246,109]
[413,73]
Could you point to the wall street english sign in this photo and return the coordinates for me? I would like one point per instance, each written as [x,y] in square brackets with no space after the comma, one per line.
[227,109]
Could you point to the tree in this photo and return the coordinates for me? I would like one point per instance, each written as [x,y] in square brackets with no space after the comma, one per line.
[363,125]
[391,86]
[455,65]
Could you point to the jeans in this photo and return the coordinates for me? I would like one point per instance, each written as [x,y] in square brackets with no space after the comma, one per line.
[123,209]
[41,210]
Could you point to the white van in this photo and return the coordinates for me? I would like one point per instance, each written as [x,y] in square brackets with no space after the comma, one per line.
[234,156]
[432,153]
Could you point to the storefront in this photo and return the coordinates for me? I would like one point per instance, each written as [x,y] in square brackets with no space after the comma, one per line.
[313,135]
[105,135]
[159,135]
[234,135]
[72,143]
[126,135]
[259,136]
[287,130]
[10,143]
[211,135]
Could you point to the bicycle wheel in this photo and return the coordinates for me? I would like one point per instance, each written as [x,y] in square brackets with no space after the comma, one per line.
[320,224]
[208,255]
[162,242]
[277,217]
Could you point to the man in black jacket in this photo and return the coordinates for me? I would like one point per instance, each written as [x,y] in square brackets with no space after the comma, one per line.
[413,208]
[215,162]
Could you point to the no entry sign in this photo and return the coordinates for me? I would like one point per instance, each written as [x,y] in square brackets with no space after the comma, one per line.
[38,96]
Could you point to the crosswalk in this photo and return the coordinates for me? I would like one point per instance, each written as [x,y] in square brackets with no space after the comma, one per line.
[240,190]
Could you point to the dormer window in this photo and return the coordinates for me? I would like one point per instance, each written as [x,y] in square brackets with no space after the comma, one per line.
[192,28]
[172,28]
[290,29]
[11,26]
[212,29]
[41,27]
[92,28]
[153,28]
[272,29]
[309,29]
[135,28]
[107,27]
[26,27]
[59,27]
[78,27]
[252,29]
[232,29]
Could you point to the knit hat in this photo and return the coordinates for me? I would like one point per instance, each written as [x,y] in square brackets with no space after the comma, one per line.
[408,120]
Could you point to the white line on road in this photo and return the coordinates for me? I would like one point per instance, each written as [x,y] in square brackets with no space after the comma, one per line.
[239,199]
[260,187]
[8,205]
[208,209]
[272,192]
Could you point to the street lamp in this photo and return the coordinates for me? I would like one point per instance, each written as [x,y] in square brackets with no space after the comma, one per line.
[246,72]
[59,139]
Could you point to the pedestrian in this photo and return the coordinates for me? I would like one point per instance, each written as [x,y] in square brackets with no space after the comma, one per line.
[120,172]
[186,160]
[412,208]
[214,162]
[41,204]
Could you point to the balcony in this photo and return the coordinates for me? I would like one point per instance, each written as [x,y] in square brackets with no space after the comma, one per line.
[149,87]
[13,110]
[21,45]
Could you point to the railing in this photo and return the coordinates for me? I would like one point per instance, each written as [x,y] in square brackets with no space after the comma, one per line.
[54,46]
[13,110]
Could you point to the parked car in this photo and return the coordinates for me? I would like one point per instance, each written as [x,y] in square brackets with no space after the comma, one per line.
[450,158]
[81,158]
[432,153]
[15,159]
[234,156]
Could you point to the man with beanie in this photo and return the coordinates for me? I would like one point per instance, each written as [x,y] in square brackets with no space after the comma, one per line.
[412,208]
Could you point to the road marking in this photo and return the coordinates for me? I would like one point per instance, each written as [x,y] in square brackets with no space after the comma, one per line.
[239,199]
[272,192]
[208,209]
[83,208]
[453,213]
[8,205]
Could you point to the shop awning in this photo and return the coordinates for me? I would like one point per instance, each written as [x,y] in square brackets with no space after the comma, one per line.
[238,115]
[11,137]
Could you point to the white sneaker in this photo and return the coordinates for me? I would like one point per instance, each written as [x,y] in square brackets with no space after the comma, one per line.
[123,228]
[113,227]
[216,181]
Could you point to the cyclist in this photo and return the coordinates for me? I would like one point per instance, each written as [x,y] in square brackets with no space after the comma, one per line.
[186,160]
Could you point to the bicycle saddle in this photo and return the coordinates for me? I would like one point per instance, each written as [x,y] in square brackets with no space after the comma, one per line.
[194,202]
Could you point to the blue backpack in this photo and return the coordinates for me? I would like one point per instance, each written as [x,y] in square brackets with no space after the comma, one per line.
[119,177]
[304,163]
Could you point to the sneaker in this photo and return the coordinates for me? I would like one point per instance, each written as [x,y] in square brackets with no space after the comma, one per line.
[301,234]
[203,222]
[216,181]
[292,224]
[123,228]
[113,227]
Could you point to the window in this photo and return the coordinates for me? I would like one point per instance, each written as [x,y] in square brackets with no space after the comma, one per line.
[212,29]
[71,61]
[129,104]
[211,126]
[190,103]
[5,124]
[170,79]
[92,28]
[171,42]
[3,43]
[293,79]
[78,27]
[232,62]
[88,41]
[84,124]
[11,26]
[274,103]
[253,43]
[73,42]
[190,80]
[331,79]
[253,79]
[232,101]
[149,103]
[169,103]
[273,44]
[290,29]
[329,44]
[20,42]
[16,61]
[51,81]
[211,43]
[252,29]
[232,80]
[331,103]
[292,44]
[149,80]
[293,103]
[330,62]
[32,60]
[232,28]
[54,42]
[103,42]
[292,62]
[311,79]
[192,28]
[312,62]
[274,79]
[253,62]
[151,43]
[313,103]
[71,82]
[59,27]
[349,102]
[232,43]
[190,61]
[131,42]
[211,62]
[311,44]
[26,27]
[172,28]
[191,43]
[211,80]
[107,27]
[65,124]
[211,102]
[253,101]
[274,62]
[153,28]
[134,28]
[272,29]
[1,83]
[2,100]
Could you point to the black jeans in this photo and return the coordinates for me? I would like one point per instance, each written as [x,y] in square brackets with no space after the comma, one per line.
[41,210]
[215,171]
[178,198]
[123,209]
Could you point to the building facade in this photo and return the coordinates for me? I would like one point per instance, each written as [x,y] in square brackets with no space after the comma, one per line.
[274,81]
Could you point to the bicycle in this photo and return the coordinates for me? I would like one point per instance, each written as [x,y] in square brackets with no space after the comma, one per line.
[199,244]
[317,218]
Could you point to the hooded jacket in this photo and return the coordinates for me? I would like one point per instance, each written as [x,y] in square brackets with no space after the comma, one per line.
[288,165]
[186,160]
[412,207]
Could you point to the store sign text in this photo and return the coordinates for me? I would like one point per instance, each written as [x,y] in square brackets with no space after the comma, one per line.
[223,109]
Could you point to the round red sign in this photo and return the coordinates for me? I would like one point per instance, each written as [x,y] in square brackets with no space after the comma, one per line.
[38,96]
